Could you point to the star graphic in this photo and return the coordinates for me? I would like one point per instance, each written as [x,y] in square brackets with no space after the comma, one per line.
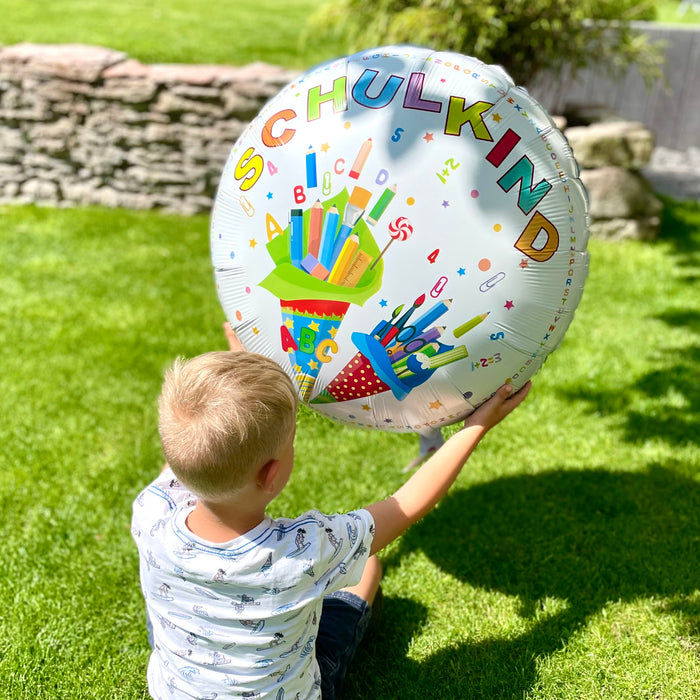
[509,304]
[365,407]
[445,203]
[435,404]
[523,263]
[428,137]
[289,323]
[269,195]
[313,364]
[325,147]
[313,326]
[461,272]
[332,332]
[297,368]
[256,330]
[253,243]
[383,303]
[497,118]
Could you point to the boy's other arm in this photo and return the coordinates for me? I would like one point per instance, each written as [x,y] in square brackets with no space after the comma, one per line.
[431,482]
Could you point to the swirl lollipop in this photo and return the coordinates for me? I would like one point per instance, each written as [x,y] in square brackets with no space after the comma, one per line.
[400,229]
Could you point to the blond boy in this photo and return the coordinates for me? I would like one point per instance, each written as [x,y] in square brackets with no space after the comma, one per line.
[240,604]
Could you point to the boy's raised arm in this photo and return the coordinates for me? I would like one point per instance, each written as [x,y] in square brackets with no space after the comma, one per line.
[431,482]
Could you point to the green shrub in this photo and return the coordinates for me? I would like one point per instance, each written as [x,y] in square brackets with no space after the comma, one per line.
[526,37]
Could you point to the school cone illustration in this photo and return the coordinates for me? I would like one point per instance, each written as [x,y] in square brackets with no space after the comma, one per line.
[322,266]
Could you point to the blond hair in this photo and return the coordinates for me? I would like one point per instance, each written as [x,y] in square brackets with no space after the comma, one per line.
[222,415]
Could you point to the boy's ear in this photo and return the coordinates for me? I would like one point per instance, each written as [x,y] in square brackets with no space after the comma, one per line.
[267,474]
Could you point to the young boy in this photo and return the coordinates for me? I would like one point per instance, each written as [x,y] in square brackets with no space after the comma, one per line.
[239,604]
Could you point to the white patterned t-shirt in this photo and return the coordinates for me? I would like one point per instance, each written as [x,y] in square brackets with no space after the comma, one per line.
[240,619]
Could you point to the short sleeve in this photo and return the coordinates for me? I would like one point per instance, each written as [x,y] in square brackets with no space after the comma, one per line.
[338,546]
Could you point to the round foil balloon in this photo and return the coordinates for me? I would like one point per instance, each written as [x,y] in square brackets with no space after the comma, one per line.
[403,231]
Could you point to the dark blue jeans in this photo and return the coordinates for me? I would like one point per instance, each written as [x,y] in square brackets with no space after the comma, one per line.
[344,621]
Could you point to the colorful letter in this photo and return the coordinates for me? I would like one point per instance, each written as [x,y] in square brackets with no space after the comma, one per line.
[413,99]
[537,225]
[457,117]
[387,94]
[268,139]
[249,169]
[316,98]
[528,197]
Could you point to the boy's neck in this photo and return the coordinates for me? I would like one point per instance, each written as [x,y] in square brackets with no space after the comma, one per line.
[222,522]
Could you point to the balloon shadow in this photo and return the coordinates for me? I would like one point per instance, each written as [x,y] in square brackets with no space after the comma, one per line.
[584,538]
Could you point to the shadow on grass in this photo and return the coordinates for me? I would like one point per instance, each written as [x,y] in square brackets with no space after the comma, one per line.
[584,538]
[672,389]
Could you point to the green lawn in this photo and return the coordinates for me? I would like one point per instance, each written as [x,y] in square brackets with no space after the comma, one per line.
[228,31]
[563,564]
[181,31]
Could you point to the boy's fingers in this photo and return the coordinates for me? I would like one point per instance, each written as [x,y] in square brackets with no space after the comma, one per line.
[519,396]
[234,344]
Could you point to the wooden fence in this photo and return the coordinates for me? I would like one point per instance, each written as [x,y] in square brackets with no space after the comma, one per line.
[670,108]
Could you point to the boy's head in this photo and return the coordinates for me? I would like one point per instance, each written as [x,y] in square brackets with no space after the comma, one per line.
[222,416]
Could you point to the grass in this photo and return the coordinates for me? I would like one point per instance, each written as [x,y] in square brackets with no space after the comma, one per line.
[165,31]
[563,564]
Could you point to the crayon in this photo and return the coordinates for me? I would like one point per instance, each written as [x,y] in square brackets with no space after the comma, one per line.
[465,327]
[315,226]
[432,315]
[357,268]
[296,237]
[435,361]
[428,350]
[330,228]
[361,159]
[359,199]
[311,265]
[342,264]
[382,203]
[446,358]
[311,173]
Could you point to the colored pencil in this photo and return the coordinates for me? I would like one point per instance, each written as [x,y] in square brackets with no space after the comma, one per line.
[342,264]
[315,226]
[382,203]
[311,172]
[431,315]
[330,228]
[296,237]
[465,327]
[361,159]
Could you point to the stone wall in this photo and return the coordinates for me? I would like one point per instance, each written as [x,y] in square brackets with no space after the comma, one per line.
[88,125]
[612,155]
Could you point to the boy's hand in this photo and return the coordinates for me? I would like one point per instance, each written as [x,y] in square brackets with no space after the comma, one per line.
[493,411]
[234,345]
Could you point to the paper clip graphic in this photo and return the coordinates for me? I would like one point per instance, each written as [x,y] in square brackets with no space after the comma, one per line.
[247,207]
[436,291]
[492,282]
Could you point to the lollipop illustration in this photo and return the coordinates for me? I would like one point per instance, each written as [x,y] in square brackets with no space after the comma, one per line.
[400,229]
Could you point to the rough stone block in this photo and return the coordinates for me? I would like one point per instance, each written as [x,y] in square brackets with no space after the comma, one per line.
[618,193]
[621,143]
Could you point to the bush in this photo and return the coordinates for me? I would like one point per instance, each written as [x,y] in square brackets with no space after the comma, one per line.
[526,37]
